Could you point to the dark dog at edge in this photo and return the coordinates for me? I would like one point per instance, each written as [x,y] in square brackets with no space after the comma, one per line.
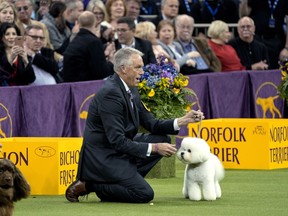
[13,187]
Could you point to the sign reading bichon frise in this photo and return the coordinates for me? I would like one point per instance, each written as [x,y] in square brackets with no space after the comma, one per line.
[203,170]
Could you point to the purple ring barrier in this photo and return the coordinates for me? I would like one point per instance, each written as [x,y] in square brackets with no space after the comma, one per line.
[60,110]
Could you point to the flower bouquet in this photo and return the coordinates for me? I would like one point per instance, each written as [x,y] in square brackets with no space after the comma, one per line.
[283,87]
[162,90]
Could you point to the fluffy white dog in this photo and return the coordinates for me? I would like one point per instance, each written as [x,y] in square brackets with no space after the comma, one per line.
[203,170]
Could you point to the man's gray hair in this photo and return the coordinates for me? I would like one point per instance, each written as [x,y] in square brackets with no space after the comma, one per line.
[123,57]
[180,18]
[163,3]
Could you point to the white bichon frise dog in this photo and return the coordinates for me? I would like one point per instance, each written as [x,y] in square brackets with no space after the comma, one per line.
[203,170]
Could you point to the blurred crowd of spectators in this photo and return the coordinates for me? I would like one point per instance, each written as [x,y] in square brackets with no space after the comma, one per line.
[47,42]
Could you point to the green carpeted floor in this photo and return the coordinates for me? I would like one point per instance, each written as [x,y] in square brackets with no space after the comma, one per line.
[245,193]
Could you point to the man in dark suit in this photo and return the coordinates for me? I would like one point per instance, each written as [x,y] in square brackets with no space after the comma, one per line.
[133,10]
[84,58]
[114,159]
[125,30]
[169,10]
[44,65]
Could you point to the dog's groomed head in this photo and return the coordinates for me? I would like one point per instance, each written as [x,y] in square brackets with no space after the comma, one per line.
[12,182]
[193,151]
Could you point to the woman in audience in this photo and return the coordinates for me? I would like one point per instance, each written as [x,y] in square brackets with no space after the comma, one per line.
[166,32]
[219,35]
[15,69]
[59,33]
[115,9]
[147,31]
[9,14]
[104,30]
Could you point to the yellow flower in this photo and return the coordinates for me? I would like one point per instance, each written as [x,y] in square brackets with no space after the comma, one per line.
[151,93]
[284,74]
[141,85]
[185,82]
[176,90]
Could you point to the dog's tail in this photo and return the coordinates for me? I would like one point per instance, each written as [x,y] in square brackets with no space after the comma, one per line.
[219,169]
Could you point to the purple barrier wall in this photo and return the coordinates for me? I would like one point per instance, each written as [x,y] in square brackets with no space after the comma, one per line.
[61,110]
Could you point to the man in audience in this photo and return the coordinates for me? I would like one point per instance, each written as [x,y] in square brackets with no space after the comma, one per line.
[133,10]
[252,53]
[207,61]
[24,10]
[43,62]
[125,31]
[84,58]
[269,18]
[73,10]
[169,10]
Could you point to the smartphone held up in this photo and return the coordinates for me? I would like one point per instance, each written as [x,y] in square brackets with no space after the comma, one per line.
[19,41]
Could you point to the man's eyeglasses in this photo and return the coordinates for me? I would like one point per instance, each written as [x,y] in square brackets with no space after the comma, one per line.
[245,27]
[25,8]
[122,30]
[34,37]
[185,27]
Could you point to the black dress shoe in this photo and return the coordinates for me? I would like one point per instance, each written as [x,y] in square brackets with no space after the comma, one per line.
[75,190]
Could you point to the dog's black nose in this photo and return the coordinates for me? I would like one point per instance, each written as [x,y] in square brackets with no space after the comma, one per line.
[8,179]
[182,153]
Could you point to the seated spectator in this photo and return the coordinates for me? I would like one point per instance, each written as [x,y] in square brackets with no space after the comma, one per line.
[270,18]
[57,28]
[126,38]
[58,57]
[115,10]
[166,34]
[133,10]
[84,58]
[9,14]
[104,30]
[147,31]
[15,68]
[252,53]
[219,35]
[24,10]
[169,10]
[207,60]
[43,62]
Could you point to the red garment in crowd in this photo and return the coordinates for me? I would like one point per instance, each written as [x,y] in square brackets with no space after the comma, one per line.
[227,56]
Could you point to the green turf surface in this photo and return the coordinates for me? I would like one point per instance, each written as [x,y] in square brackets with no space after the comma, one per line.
[244,193]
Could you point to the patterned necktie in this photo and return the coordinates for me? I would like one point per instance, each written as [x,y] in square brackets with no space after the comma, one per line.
[131,98]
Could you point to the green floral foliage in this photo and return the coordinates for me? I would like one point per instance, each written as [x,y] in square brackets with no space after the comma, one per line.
[162,90]
[283,87]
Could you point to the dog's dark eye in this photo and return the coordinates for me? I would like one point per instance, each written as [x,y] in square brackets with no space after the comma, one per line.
[189,150]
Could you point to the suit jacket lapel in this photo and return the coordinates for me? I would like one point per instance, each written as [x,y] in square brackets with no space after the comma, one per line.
[133,112]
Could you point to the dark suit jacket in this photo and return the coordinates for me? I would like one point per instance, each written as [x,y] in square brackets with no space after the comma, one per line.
[145,47]
[84,59]
[45,60]
[108,153]
[250,53]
